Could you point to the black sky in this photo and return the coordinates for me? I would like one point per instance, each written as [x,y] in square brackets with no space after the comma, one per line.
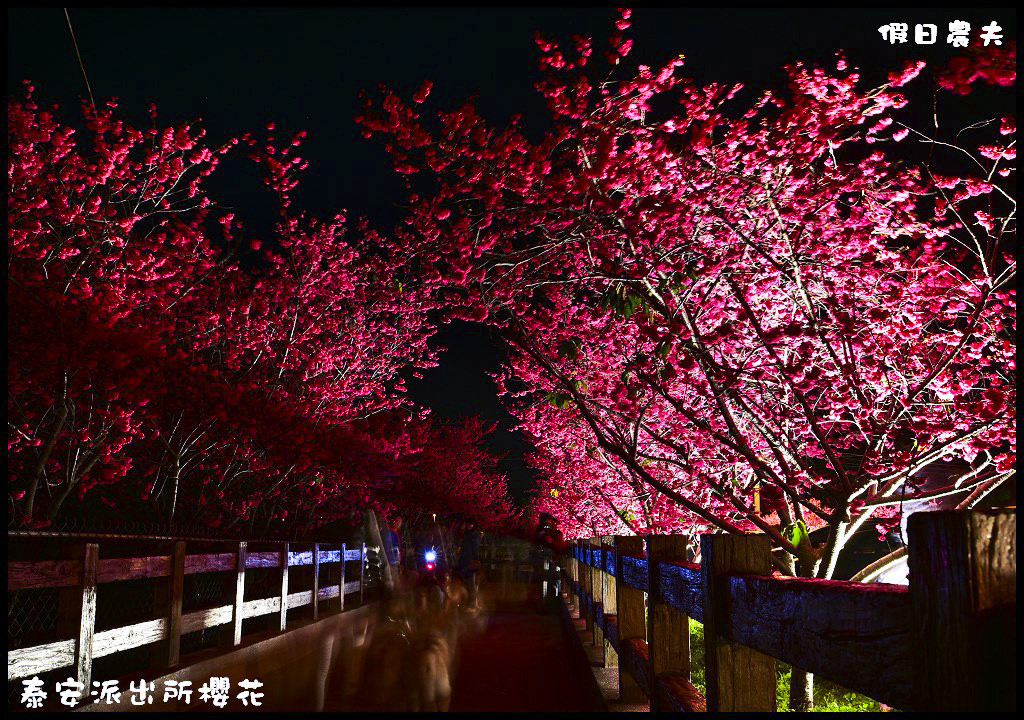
[238,69]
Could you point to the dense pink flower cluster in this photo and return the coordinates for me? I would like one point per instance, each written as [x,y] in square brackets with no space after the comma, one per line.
[732,314]
[150,373]
[994,64]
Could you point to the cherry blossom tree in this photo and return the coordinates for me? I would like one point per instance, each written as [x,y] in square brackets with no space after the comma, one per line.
[153,373]
[743,316]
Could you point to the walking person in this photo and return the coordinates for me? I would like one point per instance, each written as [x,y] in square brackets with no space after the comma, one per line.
[548,544]
[469,561]
[393,547]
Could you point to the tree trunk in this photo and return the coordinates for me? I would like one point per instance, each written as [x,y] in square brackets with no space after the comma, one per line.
[801,691]
[43,457]
[801,682]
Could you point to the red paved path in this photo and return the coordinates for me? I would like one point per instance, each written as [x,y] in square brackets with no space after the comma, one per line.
[520,661]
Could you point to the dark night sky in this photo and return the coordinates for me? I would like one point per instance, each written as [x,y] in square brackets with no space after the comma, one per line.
[238,69]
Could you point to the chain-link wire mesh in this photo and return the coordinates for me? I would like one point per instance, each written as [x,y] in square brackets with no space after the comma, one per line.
[32,617]
[203,591]
[261,583]
[126,603]
[32,620]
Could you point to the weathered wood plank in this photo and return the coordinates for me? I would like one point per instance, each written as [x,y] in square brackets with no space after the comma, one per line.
[218,562]
[609,560]
[263,560]
[36,660]
[119,569]
[634,570]
[855,634]
[52,656]
[266,605]
[203,619]
[963,568]
[300,599]
[115,640]
[675,693]
[353,587]
[680,586]
[329,556]
[64,573]
[352,555]
[300,558]
[263,606]
[611,631]
[42,574]
[739,679]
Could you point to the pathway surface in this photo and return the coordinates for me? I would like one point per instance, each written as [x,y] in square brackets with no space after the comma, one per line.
[520,661]
[514,658]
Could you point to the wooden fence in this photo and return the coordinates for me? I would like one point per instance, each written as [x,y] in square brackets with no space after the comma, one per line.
[79,577]
[945,642]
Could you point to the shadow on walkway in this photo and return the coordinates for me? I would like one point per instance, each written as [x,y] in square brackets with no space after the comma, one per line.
[519,660]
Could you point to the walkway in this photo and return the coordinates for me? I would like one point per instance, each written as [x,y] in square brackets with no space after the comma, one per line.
[520,661]
[512,658]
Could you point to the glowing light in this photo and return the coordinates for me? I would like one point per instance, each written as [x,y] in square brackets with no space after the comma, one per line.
[430,556]
[430,566]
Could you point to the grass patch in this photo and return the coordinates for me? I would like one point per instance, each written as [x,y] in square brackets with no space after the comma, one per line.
[828,697]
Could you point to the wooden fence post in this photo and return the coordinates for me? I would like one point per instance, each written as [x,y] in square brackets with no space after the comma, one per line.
[631,615]
[341,581]
[316,580]
[963,568]
[81,615]
[668,629]
[580,568]
[176,597]
[239,592]
[570,573]
[597,583]
[285,556]
[738,678]
[567,571]
[587,586]
[611,658]
[578,578]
